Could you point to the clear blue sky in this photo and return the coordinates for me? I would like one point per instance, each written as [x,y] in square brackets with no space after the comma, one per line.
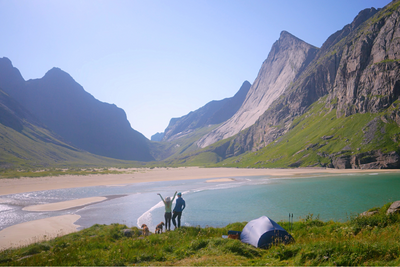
[159,59]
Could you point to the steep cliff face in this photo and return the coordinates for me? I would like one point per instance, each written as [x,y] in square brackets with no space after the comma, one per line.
[368,77]
[214,112]
[61,104]
[357,68]
[288,57]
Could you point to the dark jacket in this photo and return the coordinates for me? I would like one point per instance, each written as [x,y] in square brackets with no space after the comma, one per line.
[180,205]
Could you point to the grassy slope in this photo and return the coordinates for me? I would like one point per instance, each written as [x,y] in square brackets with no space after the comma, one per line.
[303,145]
[35,147]
[360,241]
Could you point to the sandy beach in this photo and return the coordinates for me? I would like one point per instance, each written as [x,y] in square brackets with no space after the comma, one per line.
[35,231]
[25,233]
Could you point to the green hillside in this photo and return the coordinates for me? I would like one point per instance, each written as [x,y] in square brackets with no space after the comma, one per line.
[369,241]
[318,136]
[35,147]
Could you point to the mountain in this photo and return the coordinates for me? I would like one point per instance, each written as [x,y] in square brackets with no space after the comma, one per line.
[288,57]
[61,104]
[157,137]
[339,109]
[182,134]
[25,142]
[214,112]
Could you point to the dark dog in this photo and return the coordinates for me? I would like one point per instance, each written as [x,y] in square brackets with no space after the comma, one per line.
[159,228]
[145,230]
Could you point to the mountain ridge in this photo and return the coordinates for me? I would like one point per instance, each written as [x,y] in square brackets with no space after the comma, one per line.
[63,105]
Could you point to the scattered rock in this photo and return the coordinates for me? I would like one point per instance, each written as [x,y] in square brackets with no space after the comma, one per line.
[327,137]
[346,148]
[295,164]
[368,213]
[311,146]
[394,208]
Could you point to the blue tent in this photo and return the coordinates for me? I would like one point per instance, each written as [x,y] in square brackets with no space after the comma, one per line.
[263,232]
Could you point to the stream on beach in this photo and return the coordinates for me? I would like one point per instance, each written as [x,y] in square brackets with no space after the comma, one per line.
[331,197]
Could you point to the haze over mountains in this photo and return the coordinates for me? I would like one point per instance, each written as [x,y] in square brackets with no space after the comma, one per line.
[305,108]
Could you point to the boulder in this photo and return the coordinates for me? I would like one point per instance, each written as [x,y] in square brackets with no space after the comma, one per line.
[127,232]
[394,208]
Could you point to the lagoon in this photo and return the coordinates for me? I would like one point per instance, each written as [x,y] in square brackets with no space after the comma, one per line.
[331,197]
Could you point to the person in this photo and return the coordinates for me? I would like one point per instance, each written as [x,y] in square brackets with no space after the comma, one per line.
[168,208]
[179,207]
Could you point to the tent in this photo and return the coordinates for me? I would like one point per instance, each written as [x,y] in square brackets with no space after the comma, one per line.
[263,232]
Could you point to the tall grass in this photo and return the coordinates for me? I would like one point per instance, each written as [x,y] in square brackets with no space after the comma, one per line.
[371,240]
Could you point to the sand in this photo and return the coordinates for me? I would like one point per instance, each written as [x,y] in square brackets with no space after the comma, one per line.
[34,231]
[65,204]
[221,180]
[29,232]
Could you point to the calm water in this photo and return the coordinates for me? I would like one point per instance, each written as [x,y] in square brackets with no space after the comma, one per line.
[216,204]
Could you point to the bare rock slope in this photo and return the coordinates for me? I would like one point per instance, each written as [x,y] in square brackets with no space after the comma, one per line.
[287,58]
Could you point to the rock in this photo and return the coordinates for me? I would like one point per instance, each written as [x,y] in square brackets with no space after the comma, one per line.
[375,160]
[368,213]
[295,164]
[394,208]
[127,232]
[346,148]
[342,162]
[327,137]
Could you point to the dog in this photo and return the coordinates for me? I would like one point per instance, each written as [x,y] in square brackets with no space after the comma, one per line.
[159,228]
[145,230]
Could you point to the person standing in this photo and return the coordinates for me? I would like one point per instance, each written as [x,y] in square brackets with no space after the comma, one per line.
[179,207]
[168,207]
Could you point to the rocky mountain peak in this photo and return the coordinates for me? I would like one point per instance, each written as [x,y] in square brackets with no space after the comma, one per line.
[288,57]
[57,74]
[8,70]
[5,61]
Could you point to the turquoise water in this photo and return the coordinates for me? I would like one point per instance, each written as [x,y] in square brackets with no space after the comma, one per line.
[216,204]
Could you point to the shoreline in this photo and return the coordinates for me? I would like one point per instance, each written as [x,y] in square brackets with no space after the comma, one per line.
[30,232]
[10,186]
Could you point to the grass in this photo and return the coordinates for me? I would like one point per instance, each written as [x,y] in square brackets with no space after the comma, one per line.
[371,240]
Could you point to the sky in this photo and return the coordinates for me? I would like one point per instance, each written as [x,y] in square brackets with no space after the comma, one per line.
[161,59]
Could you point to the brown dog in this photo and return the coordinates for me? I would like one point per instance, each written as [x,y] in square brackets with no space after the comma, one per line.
[159,228]
[145,230]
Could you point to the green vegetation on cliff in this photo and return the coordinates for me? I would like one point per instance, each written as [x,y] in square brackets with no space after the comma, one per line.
[318,137]
[370,240]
